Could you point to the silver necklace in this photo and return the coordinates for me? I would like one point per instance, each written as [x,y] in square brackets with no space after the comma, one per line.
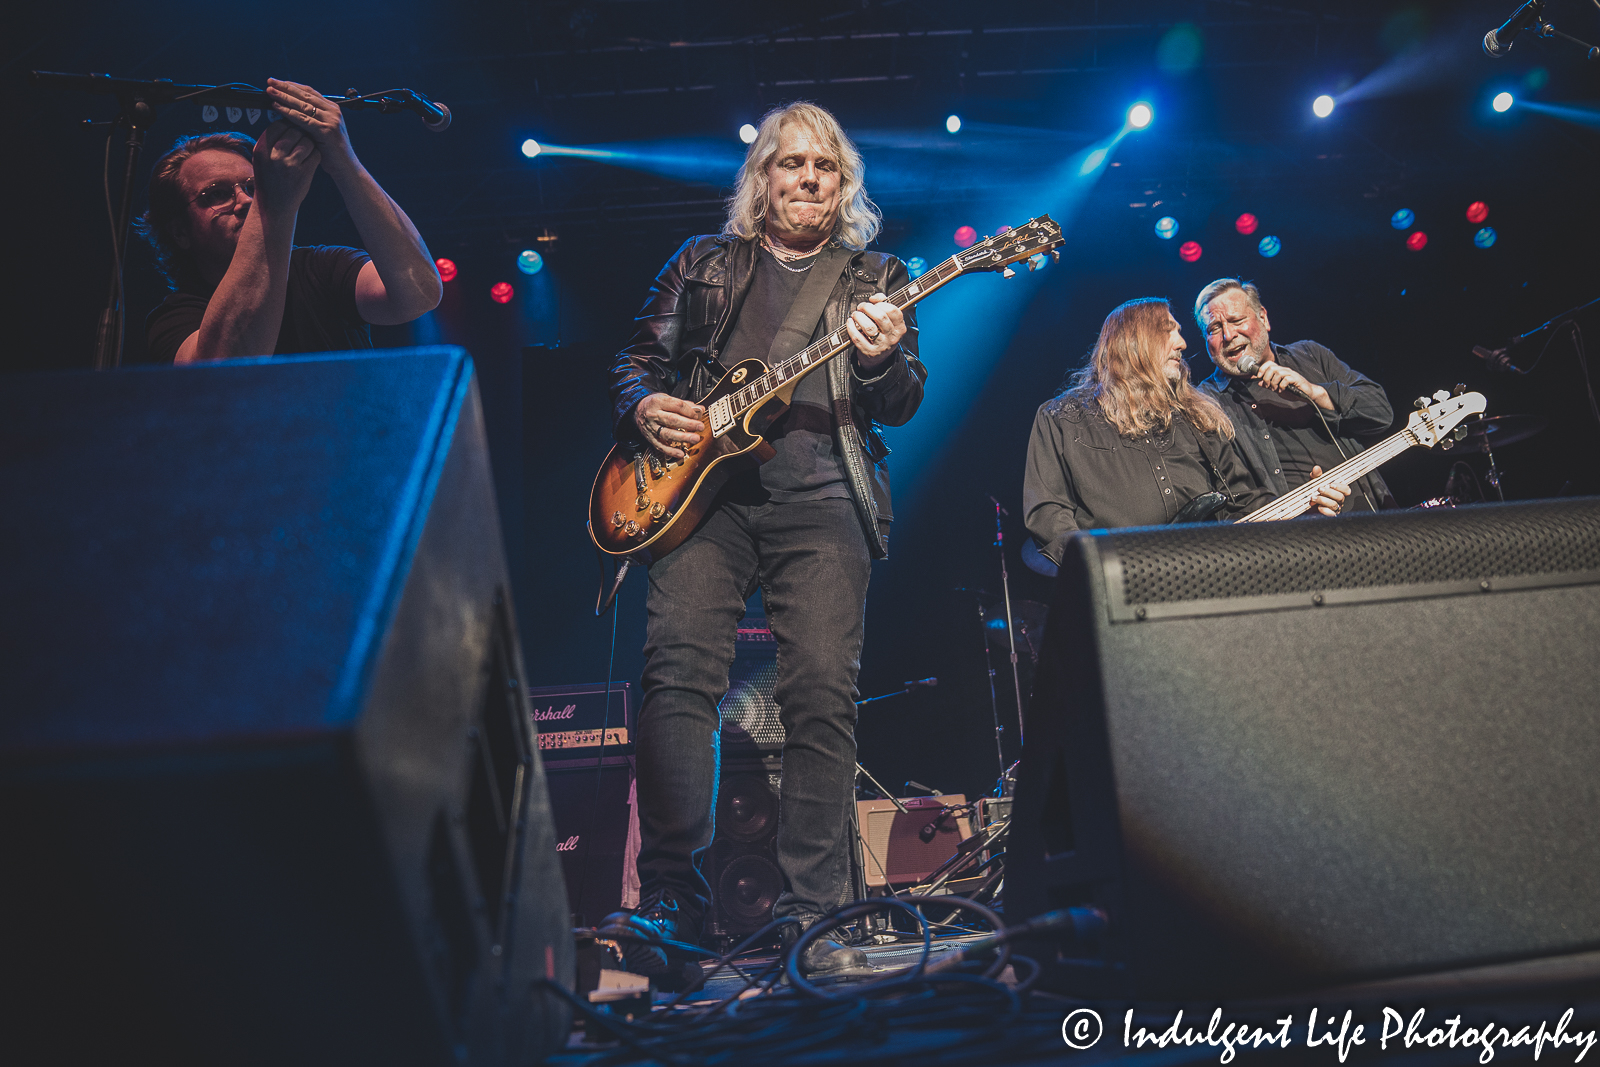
[767,244]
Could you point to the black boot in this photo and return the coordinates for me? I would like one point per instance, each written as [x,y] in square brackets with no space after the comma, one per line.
[824,958]
[662,916]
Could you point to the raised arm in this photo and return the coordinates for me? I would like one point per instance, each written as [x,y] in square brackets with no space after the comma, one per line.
[401,283]
[246,310]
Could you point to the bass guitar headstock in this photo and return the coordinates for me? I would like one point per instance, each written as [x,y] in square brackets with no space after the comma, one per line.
[1030,242]
[1432,423]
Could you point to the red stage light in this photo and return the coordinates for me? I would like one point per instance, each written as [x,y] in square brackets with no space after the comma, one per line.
[965,237]
[1245,224]
[1189,251]
[501,293]
[1477,211]
[447,269]
[1417,241]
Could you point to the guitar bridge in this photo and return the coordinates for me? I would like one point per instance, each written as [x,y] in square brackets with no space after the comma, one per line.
[721,413]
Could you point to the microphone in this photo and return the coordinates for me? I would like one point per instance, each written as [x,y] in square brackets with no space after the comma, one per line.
[1249,366]
[1497,42]
[1497,359]
[927,832]
[435,116]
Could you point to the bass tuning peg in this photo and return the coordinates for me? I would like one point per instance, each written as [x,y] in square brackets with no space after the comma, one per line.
[1008,273]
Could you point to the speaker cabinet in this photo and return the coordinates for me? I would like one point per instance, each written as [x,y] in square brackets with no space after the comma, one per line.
[1289,755]
[267,776]
[743,859]
[750,722]
[902,848]
[595,807]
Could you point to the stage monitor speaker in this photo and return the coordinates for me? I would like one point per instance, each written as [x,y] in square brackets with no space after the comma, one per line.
[267,774]
[743,857]
[1293,755]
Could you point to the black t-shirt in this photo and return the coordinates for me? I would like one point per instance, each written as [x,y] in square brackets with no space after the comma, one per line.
[1298,452]
[319,313]
[807,464]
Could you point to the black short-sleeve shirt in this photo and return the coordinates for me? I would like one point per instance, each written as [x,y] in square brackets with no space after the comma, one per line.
[319,313]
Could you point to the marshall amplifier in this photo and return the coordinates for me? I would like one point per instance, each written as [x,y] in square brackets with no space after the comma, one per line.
[596,813]
[574,721]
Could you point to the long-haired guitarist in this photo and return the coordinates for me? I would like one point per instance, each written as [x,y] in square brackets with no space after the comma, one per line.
[1131,441]
[804,527]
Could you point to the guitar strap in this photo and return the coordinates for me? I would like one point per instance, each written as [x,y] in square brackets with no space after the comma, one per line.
[801,322]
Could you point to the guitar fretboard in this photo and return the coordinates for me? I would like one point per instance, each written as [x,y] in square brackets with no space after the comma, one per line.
[819,352]
[1296,501]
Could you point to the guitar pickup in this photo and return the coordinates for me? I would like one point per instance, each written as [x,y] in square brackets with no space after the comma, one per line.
[721,413]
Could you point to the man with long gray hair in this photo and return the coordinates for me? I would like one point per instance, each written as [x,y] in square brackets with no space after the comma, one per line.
[789,266]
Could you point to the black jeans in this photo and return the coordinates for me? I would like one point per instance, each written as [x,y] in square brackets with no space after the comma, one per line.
[812,563]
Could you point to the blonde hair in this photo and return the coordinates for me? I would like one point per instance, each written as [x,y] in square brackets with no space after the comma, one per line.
[859,218]
[1126,375]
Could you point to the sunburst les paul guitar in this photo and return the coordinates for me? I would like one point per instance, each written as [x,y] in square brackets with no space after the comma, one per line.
[644,504]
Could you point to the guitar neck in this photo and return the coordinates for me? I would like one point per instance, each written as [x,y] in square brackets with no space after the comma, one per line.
[1296,501]
[814,355]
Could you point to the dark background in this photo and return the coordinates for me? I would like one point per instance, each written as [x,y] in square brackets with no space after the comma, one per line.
[667,84]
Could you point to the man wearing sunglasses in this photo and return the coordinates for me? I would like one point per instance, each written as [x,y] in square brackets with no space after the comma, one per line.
[222,219]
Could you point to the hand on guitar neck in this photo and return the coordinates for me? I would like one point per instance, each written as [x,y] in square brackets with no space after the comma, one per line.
[1331,499]
[667,424]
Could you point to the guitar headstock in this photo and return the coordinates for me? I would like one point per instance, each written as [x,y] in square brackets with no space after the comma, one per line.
[1033,238]
[1431,422]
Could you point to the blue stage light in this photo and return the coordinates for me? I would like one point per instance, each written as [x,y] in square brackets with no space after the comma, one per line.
[530,148]
[1485,237]
[530,262]
[1269,246]
[1503,102]
[1139,115]
[953,123]
[1402,219]
[747,133]
[1322,106]
[915,266]
[1167,228]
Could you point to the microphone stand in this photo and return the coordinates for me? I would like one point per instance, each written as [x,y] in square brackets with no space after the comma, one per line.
[1011,630]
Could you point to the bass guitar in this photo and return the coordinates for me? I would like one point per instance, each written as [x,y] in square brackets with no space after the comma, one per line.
[644,504]
[1438,423]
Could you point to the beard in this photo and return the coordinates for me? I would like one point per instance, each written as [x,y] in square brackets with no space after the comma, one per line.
[1260,348]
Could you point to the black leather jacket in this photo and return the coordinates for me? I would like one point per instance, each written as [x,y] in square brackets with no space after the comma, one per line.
[688,316]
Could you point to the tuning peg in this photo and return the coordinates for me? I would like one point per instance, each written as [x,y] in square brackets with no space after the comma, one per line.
[1420,403]
[1033,264]
[1055,255]
[1441,396]
[1460,388]
[1008,273]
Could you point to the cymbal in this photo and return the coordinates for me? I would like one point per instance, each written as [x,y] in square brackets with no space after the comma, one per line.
[1505,429]
[1029,616]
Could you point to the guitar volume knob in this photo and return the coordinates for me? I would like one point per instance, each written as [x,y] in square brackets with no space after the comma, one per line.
[616,518]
